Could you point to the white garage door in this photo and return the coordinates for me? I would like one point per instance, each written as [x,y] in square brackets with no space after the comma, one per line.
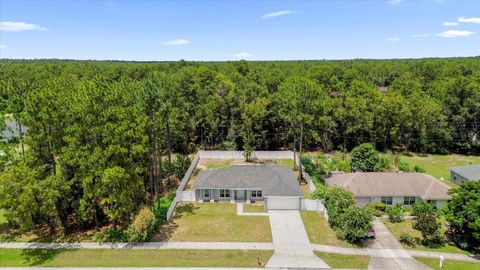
[283,203]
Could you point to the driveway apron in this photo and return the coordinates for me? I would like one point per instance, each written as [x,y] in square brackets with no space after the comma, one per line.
[290,242]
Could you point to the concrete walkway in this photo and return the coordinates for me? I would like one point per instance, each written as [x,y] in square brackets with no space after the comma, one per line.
[241,213]
[390,253]
[290,242]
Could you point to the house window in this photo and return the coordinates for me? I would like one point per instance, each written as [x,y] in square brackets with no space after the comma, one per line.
[409,200]
[206,193]
[224,193]
[256,193]
[387,200]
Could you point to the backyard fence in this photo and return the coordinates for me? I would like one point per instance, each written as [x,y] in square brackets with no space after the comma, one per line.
[239,154]
[181,187]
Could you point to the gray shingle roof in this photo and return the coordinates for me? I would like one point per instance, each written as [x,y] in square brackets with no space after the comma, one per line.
[376,184]
[273,180]
[471,172]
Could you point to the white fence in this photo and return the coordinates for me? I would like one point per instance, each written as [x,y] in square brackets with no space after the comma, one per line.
[312,205]
[239,154]
[188,196]
[181,187]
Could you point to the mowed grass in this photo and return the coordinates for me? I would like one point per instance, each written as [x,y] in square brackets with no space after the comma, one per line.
[344,261]
[437,165]
[220,164]
[400,228]
[133,258]
[319,231]
[449,264]
[254,208]
[214,222]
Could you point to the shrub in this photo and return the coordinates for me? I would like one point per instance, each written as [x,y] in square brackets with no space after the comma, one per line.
[377,208]
[403,166]
[337,200]
[395,213]
[419,169]
[385,163]
[160,209]
[142,226]
[365,158]
[355,222]
[343,165]
[408,240]
[228,145]
[421,208]
[111,235]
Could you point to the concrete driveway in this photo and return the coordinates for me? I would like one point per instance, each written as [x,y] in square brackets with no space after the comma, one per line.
[391,255]
[290,242]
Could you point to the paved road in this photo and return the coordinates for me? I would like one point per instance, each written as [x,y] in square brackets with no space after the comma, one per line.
[386,244]
[290,242]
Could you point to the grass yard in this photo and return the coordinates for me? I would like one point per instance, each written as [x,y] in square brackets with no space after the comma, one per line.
[219,164]
[398,229]
[214,222]
[285,162]
[448,264]
[318,230]
[307,194]
[437,165]
[133,258]
[344,261]
[254,207]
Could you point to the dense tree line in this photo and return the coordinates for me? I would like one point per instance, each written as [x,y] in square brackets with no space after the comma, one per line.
[101,133]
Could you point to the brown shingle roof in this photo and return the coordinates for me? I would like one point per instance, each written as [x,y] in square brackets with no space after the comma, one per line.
[375,184]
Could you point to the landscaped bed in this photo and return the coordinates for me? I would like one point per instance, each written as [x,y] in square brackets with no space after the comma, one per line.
[448,264]
[400,228]
[344,261]
[318,230]
[214,222]
[133,258]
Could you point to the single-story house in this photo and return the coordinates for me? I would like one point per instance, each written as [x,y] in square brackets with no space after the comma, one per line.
[392,188]
[276,185]
[460,174]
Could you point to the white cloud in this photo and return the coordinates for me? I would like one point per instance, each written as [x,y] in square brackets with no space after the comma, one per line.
[450,23]
[3,46]
[276,14]
[422,35]
[455,33]
[243,55]
[395,2]
[393,39]
[177,42]
[469,20]
[7,26]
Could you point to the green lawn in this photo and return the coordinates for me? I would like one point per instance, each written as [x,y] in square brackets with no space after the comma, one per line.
[398,229]
[214,222]
[448,264]
[254,208]
[437,165]
[285,162]
[133,258]
[220,164]
[318,230]
[344,261]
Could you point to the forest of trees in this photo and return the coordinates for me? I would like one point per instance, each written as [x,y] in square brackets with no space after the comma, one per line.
[100,132]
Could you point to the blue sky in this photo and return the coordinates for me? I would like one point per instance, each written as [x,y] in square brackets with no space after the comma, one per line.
[252,30]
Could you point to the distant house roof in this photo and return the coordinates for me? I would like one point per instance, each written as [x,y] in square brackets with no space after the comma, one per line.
[273,180]
[383,89]
[376,184]
[471,172]
[11,130]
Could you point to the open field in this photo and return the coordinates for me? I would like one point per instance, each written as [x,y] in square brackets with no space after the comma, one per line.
[449,265]
[214,222]
[318,230]
[133,258]
[344,261]
[398,229]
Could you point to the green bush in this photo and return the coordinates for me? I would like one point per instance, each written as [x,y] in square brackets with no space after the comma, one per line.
[160,209]
[419,169]
[403,166]
[343,165]
[378,208]
[142,226]
[395,213]
[421,208]
[365,158]
[355,222]
[228,145]
[408,240]
[111,235]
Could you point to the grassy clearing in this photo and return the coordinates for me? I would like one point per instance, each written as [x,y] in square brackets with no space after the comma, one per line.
[448,264]
[398,229]
[220,164]
[254,208]
[285,162]
[133,258]
[214,222]
[344,261]
[318,230]
[307,194]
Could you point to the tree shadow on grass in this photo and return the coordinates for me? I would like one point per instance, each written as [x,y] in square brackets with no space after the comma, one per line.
[168,229]
[38,257]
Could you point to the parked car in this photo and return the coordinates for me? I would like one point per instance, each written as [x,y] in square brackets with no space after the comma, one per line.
[371,233]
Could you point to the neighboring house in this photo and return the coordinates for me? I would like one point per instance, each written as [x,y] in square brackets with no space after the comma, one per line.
[392,188]
[12,130]
[276,185]
[460,174]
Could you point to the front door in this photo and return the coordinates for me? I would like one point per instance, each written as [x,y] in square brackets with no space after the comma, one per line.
[240,195]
